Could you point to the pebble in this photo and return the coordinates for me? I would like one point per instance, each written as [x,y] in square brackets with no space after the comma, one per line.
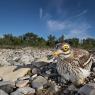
[57,88]
[3,92]
[7,86]
[24,91]
[22,83]
[72,88]
[34,71]
[1,79]
[39,82]
[94,79]
[88,89]
[24,78]
[33,77]
[94,69]
[48,72]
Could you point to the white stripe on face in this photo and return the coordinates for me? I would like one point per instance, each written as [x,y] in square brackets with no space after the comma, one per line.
[67,54]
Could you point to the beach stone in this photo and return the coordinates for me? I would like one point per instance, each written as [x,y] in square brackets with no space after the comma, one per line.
[88,89]
[94,69]
[34,71]
[39,82]
[3,92]
[33,77]
[8,74]
[24,91]
[72,88]
[22,83]
[7,86]
[1,79]
[27,77]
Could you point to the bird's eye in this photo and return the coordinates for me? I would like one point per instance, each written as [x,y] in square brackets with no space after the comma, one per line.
[65,48]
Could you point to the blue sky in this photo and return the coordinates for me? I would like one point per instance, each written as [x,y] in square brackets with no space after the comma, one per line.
[72,18]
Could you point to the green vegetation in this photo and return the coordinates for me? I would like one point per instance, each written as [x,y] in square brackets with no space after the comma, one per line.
[31,39]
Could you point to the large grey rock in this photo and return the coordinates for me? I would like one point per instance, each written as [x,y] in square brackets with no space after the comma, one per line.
[88,89]
[24,91]
[7,86]
[8,74]
[3,92]
[39,82]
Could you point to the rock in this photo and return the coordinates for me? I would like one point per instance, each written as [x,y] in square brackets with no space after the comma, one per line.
[3,92]
[34,71]
[39,82]
[7,86]
[26,58]
[7,73]
[33,77]
[22,56]
[72,88]
[24,91]
[54,87]
[88,89]
[44,59]
[48,72]
[1,79]
[57,88]
[27,77]
[94,69]
[22,83]
[94,79]
[39,64]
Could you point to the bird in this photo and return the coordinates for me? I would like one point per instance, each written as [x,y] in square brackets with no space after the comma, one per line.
[73,64]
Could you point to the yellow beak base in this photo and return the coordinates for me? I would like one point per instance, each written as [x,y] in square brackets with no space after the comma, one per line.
[56,53]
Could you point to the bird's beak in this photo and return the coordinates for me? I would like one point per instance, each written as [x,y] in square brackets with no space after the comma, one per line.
[56,53]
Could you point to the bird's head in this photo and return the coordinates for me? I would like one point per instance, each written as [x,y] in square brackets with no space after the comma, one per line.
[63,49]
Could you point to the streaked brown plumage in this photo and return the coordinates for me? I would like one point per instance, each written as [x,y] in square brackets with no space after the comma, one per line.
[73,64]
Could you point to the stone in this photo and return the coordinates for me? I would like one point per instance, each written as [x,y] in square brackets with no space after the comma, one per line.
[34,71]
[94,69]
[39,82]
[7,86]
[26,58]
[7,73]
[33,77]
[44,59]
[48,72]
[24,91]
[3,92]
[72,88]
[88,89]
[22,83]
[1,79]
[27,77]
[23,55]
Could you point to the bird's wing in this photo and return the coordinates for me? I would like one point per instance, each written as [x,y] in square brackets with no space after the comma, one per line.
[82,56]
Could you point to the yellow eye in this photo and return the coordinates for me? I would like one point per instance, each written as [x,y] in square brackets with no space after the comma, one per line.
[65,48]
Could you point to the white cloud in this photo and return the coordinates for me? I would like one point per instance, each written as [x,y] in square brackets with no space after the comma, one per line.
[70,28]
[82,13]
[55,25]
[78,33]
[41,13]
